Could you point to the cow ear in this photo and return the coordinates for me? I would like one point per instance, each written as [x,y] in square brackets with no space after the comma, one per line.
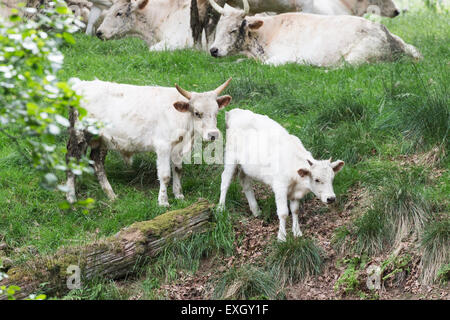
[303,172]
[337,165]
[223,101]
[181,106]
[255,25]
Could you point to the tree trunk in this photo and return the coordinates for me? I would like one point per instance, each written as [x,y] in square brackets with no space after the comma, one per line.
[112,258]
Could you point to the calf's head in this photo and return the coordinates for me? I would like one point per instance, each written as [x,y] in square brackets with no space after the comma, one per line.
[232,30]
[121,18]
[320,175]
[204,108]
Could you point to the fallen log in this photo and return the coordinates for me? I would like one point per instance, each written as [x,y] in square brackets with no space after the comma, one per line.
[112,258]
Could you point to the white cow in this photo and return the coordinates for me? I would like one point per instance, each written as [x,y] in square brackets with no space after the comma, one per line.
[306,39]
[142,119]
[386,8]
[164,25]
[263,150]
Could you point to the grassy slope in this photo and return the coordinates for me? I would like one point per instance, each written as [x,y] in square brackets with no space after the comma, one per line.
[355,114]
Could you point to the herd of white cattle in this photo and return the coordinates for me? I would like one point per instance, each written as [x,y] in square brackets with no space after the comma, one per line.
[166,120]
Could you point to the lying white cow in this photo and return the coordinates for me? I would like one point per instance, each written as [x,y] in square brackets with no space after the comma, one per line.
[164,25]
[386,8]
[306,39]
[263,150]
[142,119]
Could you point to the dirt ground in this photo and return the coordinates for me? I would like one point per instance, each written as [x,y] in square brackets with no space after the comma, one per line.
[255,235]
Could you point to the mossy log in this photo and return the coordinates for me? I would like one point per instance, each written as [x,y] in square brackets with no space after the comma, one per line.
[112,258]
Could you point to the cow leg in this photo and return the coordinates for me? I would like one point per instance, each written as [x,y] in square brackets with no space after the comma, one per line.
[295,209]
[246,183]
[227,176]
[98,155]
[176,181]
[76,148]
[282,210]
[93,17]
[163,167]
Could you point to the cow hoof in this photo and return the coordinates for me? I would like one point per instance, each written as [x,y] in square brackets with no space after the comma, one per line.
[297,234]
[220,207]
[281,237]
[71,198]
[256,213]
[164,204]
[179,197]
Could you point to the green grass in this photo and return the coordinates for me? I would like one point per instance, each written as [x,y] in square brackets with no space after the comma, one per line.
[369,116]
[295,259]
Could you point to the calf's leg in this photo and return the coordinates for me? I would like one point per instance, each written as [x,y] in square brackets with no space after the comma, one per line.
[246,183]
[227,176]
[295,209]
[282,210]
[98,155]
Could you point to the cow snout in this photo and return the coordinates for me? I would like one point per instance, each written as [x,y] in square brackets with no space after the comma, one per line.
[331,200]
[99,34]
[213,135]
[214,52]
[396,13]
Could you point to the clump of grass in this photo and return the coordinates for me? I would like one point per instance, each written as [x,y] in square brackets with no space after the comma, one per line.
[436,249]
[295,259]
[246,282]
[404,206]
[97,289]
[422,117]
[372,232]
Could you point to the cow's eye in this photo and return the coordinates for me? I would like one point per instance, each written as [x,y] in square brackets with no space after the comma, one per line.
[233,31]
[118,14]
[317,180]
[198,115]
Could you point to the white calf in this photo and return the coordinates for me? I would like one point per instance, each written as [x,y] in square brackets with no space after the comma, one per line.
[263,150]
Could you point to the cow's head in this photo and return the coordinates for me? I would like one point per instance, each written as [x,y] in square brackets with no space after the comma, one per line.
[121,18]
[232,29]
[204,108]
[320,175]
[385,8]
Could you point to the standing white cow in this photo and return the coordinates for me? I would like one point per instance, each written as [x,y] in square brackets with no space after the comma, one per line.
[141,119]
[164,25]
[263,150]
[306,39]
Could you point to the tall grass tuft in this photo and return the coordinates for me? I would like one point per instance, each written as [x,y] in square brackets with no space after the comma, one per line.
[436,249]
[423,117]
[295,259]
[246,282]
[372,232]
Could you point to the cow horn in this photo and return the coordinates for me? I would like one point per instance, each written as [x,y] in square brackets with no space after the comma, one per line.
[246,6]
[330,159]
[183,92]
[216,7]
[222,87]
